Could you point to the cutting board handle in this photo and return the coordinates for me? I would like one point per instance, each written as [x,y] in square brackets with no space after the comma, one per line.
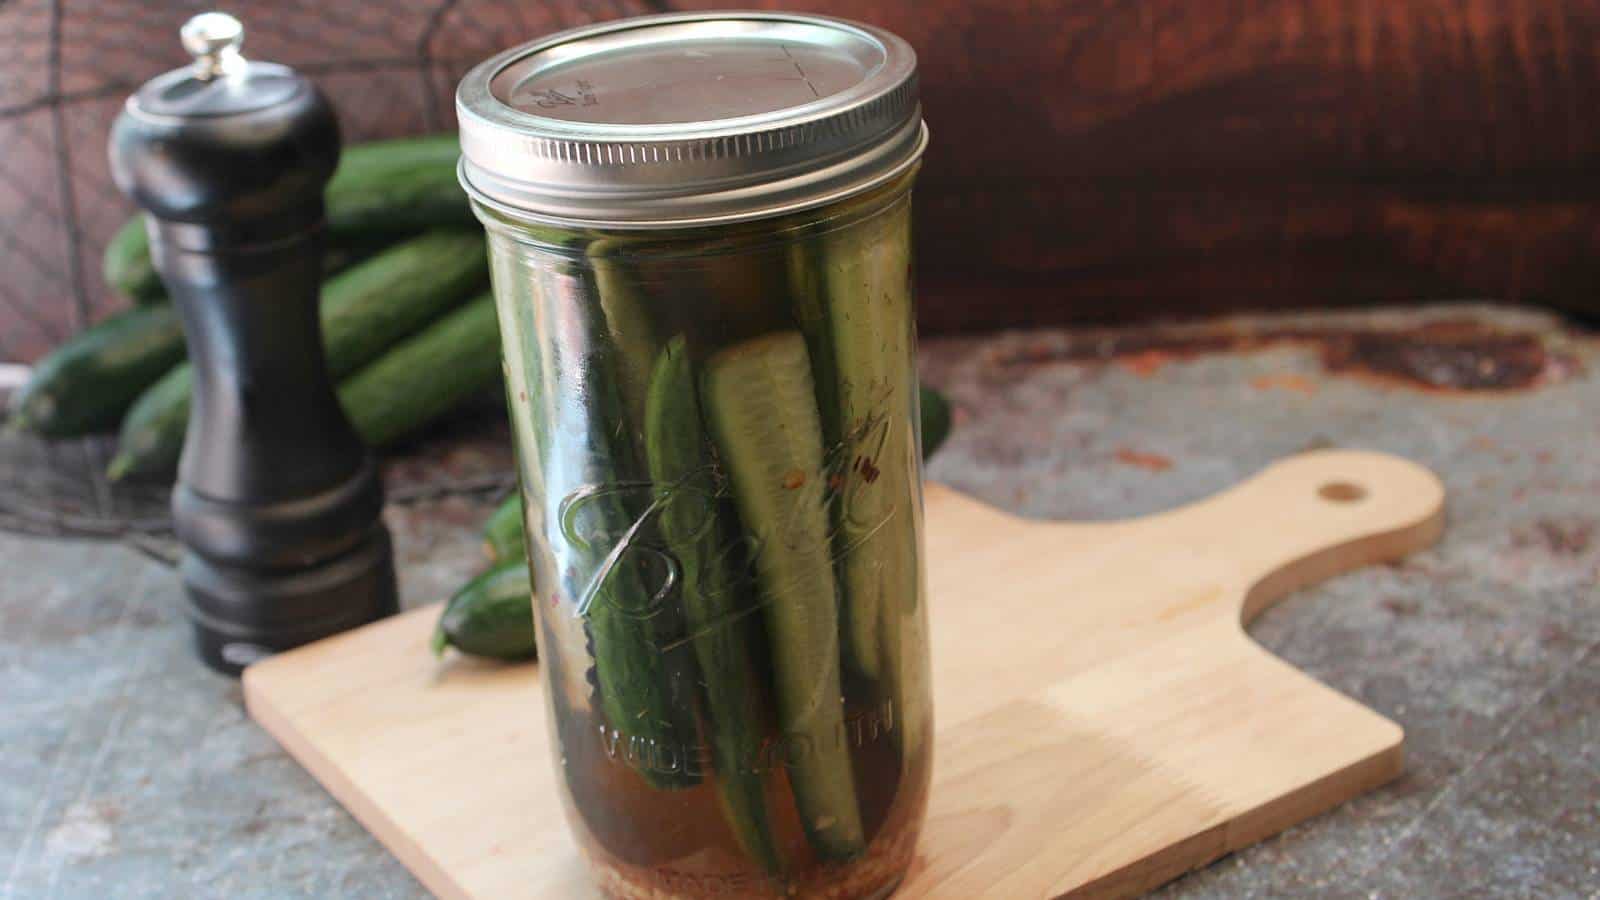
[1311,517]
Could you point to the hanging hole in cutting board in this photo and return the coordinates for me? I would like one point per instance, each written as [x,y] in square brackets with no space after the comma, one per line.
[1342,492]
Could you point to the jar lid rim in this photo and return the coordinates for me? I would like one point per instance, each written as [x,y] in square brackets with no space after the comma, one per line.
[689,118]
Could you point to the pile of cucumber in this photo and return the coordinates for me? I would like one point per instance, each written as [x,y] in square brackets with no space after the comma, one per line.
[408,325]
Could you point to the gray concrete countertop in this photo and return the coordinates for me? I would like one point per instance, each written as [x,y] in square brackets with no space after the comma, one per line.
[128,771]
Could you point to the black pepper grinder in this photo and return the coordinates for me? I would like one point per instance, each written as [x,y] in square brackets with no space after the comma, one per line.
[278,502]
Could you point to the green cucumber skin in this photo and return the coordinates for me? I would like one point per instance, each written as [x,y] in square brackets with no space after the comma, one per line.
[491,616]
[385,187]
[760,404]
[936,420]
[864,318]
[412,385]
[127,266]
[347,253]
[851,292]
[645,691]
[816,306]
[885,276]
[153,431]
[640,699]
[681,473]
[364,311]
[130,271]
[398,185]
[367,308]
[425,376]
[503,532]
[631,333]
[84,385]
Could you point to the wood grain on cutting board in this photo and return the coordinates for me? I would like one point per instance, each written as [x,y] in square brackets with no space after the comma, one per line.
[1103,722]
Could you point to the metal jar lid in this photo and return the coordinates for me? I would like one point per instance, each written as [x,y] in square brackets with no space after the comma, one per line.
[689,119]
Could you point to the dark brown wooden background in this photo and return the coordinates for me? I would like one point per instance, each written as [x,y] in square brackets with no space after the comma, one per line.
[1091,159]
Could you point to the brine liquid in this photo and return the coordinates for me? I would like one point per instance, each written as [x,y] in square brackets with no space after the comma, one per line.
[645,842]
[718,437]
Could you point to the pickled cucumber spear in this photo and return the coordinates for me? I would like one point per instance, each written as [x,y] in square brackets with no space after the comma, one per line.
[851,292]
[869,294]
[809,299]
[631,335]
[694,533]
[645,688]
[761,408]
[597,514]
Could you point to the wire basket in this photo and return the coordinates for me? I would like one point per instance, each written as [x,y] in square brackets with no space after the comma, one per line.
[59,489]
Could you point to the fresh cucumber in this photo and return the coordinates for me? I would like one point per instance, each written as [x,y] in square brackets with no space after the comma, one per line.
[503,532]
[130,271]
[85,384]
[151,439]
[681,473]
[127,266]
[153,429]
[364,311]
[936,419]
[367,308]
[408,387]
[426,375]
[384,188]
[399,185]
[761,406]
[344,253]
[491,616]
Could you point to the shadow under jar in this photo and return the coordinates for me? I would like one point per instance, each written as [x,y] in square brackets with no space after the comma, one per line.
[700,239]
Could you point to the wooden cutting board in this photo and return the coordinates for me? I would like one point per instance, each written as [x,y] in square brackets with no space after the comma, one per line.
[1104,722]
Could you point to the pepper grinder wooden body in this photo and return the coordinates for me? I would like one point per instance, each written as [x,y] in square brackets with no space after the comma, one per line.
[278,502]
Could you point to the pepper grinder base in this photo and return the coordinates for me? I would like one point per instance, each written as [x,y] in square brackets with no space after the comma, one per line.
[225,603]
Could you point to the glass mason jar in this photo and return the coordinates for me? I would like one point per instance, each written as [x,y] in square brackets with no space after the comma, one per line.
[700,239]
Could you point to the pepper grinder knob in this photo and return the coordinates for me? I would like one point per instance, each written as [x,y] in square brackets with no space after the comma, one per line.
[278,502]
[213,40]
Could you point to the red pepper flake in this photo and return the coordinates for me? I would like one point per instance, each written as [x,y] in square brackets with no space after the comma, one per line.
[792,479]
[869,471]
[836,482]
[1151,462]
